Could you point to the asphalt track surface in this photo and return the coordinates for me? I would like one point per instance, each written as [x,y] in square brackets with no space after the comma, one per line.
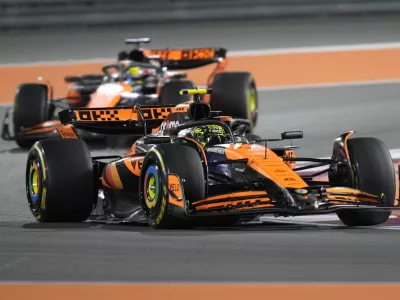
[265,252]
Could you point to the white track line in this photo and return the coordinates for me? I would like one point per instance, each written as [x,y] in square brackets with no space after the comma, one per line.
[238,53]
[317,49]
[312,218]
[59,62]
[329,85]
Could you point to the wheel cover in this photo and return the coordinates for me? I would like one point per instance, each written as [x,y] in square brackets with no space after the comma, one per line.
[34,184]
[152,189]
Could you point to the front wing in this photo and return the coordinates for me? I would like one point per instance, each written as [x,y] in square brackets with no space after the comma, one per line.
[44,130]
[260,202]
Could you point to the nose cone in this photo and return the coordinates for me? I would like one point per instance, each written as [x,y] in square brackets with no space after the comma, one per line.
[302,199]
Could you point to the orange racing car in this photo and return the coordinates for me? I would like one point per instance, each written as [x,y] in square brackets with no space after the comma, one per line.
[142,76]
[196,167]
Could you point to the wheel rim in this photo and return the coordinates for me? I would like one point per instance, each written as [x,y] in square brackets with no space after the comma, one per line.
[152,189]
[34,185]
[252,104]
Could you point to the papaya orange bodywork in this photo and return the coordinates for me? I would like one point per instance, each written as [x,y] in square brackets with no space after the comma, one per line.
[108,94]
[67,132]
[175,186]
[273,167]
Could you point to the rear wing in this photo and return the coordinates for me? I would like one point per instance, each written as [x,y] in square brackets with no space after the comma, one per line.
[188,58]
[117,120]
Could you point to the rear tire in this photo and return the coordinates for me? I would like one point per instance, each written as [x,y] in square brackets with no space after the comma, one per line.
[170,91]
[184,161]
[59,181]
[235,94]
[30,109]
[374,173]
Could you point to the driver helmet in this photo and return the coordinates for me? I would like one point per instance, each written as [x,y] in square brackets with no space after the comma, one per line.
[208,135]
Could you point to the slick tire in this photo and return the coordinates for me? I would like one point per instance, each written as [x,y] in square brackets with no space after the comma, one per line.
[60,185]
[182,160]
[170,91]
[30,109]
[374,173]
[235,94]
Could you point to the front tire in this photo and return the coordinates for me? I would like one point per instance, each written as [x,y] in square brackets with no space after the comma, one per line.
[181,160]
[59,181]
[374,173]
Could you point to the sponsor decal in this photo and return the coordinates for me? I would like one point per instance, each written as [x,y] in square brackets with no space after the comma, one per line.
[301,191]
[183,54]
[137,164]
[290,179]
[174,187]
[216,150]
[169,124]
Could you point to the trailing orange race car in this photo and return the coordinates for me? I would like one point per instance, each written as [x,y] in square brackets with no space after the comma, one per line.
[197,167]
[141,76]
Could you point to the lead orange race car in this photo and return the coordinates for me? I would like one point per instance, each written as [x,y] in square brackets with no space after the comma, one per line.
[194,167]
[140,76]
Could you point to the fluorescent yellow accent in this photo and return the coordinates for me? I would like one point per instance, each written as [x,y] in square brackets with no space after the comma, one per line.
[42,161]
[251,102]
[43,202]
[195,92]
[151,187]
[35,184]
[160,158]
[134,71]
[150,204]
[162,210]
[44,190]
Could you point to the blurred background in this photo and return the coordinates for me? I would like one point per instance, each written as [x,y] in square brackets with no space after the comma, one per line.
[43,32]
[48,32]
[321,66]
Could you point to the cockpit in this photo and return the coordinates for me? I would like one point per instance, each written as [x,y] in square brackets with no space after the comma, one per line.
[207,135]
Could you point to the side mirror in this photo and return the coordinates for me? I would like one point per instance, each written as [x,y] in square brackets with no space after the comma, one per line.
[291,135]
